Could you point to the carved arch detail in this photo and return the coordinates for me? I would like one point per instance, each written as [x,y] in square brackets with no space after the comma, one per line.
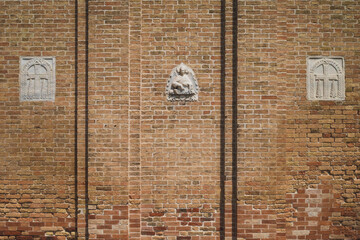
[325,78]
[37,79]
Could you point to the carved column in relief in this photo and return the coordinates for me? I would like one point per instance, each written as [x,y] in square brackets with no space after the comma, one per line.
[325,78]
[37,79]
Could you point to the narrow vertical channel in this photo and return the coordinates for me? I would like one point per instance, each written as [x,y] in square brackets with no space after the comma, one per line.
[222,123]
[76,120]
[234,120]
[87,120]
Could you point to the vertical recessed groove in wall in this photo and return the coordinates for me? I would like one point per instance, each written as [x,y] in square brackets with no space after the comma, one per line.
[87,120]
[234,120]
[76,122]
[222,123]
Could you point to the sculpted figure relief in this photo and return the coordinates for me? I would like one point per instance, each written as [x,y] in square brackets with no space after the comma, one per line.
[182,85]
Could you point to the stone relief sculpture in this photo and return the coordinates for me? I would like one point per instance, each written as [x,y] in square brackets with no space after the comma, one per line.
[37,79]
[325,78]
[182,84]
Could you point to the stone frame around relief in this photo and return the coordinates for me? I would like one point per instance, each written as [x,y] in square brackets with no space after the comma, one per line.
[325,78]
[37,78]
[182,85]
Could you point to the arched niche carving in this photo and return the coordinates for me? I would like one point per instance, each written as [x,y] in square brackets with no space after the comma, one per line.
[325,78]
[37,79]
[182,84]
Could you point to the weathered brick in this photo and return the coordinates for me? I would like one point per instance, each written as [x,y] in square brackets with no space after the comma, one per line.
[154,167]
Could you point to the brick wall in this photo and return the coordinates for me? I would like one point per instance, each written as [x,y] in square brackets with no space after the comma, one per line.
[37,138]
[108,119]
[257,161]
[321,137]
[259,100]
[179,142]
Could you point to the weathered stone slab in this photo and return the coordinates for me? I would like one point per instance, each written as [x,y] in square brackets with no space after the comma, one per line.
[37,79]
[325,78]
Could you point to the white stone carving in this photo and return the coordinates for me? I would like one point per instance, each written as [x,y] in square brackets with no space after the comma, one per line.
[182,84]
[325,78]
[37,79]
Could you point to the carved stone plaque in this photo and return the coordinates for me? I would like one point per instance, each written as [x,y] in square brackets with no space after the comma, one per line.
[182,84]
[325,78]
[37,79]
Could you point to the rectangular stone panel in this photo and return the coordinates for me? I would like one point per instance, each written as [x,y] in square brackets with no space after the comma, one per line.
[325,78]
[37,79]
